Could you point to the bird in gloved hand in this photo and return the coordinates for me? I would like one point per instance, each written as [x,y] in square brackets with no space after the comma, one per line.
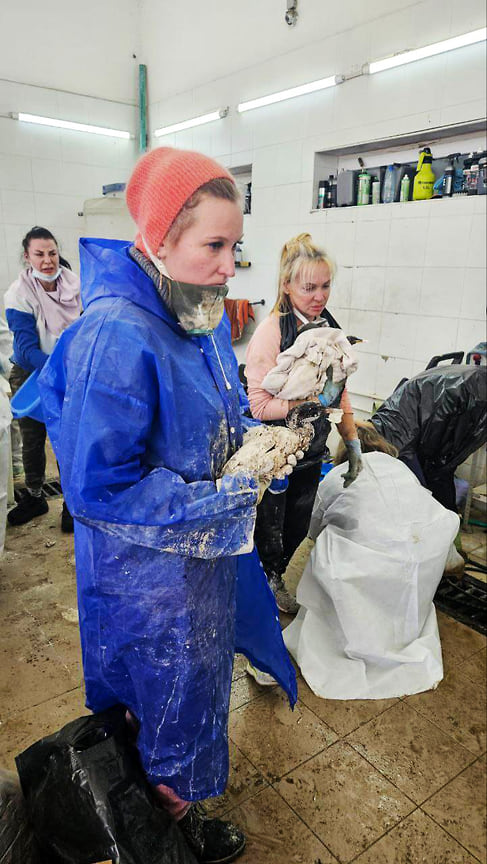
[271,452]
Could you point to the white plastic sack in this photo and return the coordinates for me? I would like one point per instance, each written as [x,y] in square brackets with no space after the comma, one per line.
[367,627]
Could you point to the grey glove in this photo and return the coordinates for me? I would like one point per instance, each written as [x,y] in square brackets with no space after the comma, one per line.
[354,452]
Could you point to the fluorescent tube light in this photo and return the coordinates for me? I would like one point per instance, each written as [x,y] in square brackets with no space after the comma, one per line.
[321,84]
[188,124]
[428,51]
[76,127]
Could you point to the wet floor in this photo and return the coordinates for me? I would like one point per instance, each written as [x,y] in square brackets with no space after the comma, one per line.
[396,781]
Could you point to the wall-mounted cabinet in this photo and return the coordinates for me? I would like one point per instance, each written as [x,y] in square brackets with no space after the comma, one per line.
[400,150]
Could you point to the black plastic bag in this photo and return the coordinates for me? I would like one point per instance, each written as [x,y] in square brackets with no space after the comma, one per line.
[17,841]
[89,801]
[438,416]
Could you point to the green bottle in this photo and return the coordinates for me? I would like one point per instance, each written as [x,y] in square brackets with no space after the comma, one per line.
[404,193]
[363,195]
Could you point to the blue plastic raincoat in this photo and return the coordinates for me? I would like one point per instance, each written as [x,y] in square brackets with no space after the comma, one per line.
[142,418]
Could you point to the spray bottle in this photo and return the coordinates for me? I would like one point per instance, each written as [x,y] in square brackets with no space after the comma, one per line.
[425,176]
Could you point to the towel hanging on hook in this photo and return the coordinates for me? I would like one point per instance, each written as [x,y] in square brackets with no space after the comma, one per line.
[240,312]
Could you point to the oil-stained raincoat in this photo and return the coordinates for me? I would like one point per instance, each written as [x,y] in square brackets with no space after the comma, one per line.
[142,418]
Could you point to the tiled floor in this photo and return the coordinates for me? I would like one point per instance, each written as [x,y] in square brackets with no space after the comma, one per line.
[397,781]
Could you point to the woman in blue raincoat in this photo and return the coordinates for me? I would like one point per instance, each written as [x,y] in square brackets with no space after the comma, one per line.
[141,400]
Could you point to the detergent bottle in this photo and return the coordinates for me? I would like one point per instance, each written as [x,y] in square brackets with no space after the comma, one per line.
[425,176]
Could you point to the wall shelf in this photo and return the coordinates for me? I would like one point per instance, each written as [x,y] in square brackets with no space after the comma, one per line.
[402,148]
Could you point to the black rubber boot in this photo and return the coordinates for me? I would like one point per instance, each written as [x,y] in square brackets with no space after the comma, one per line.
[28,508]
[67,524]
[211,840]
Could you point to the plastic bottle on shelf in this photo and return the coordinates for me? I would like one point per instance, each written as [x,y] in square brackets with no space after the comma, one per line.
[321,194]
[473,182]
[389,188]
[375,190]
[332,190]
[405,184]
[363,194]
[448,180]
[425,177]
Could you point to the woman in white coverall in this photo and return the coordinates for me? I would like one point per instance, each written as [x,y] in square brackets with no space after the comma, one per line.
[367,625]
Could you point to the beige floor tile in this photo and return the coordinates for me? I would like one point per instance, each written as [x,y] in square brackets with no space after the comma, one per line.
[458,642]
[476,667]
[239,664]
[51,599]
[415,755]
[417,840]
[245,690]
[244,781]
[276,739]
[458,707]
[31,670]
[460,808]
[473,540]
[343,715]
[275,835]
[344,800]
[23,729]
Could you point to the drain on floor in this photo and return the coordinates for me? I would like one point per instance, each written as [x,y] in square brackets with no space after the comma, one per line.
[51,489]
[464,600]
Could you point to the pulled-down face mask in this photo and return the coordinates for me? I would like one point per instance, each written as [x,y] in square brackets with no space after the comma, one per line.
[198,308]
[46,277]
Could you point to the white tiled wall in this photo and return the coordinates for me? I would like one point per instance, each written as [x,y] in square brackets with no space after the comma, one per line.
[411,277]
[396,292]
[46,174]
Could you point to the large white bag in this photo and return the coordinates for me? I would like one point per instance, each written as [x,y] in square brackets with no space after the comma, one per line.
[367,627]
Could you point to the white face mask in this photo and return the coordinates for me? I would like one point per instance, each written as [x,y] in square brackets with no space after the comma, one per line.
[198,308]
[46,277]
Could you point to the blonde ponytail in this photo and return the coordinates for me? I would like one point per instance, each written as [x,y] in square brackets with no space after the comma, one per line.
[297,254]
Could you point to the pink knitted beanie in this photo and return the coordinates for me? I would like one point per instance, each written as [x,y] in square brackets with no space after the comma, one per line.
[161,183]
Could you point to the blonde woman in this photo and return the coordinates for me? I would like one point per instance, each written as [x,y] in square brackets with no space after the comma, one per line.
[305,279]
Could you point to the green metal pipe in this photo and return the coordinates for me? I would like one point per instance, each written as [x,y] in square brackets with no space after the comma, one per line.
[142,108]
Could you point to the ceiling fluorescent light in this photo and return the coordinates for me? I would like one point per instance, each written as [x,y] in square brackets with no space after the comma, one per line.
[321,84]
[428,51]
[188,124]
[76,127]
